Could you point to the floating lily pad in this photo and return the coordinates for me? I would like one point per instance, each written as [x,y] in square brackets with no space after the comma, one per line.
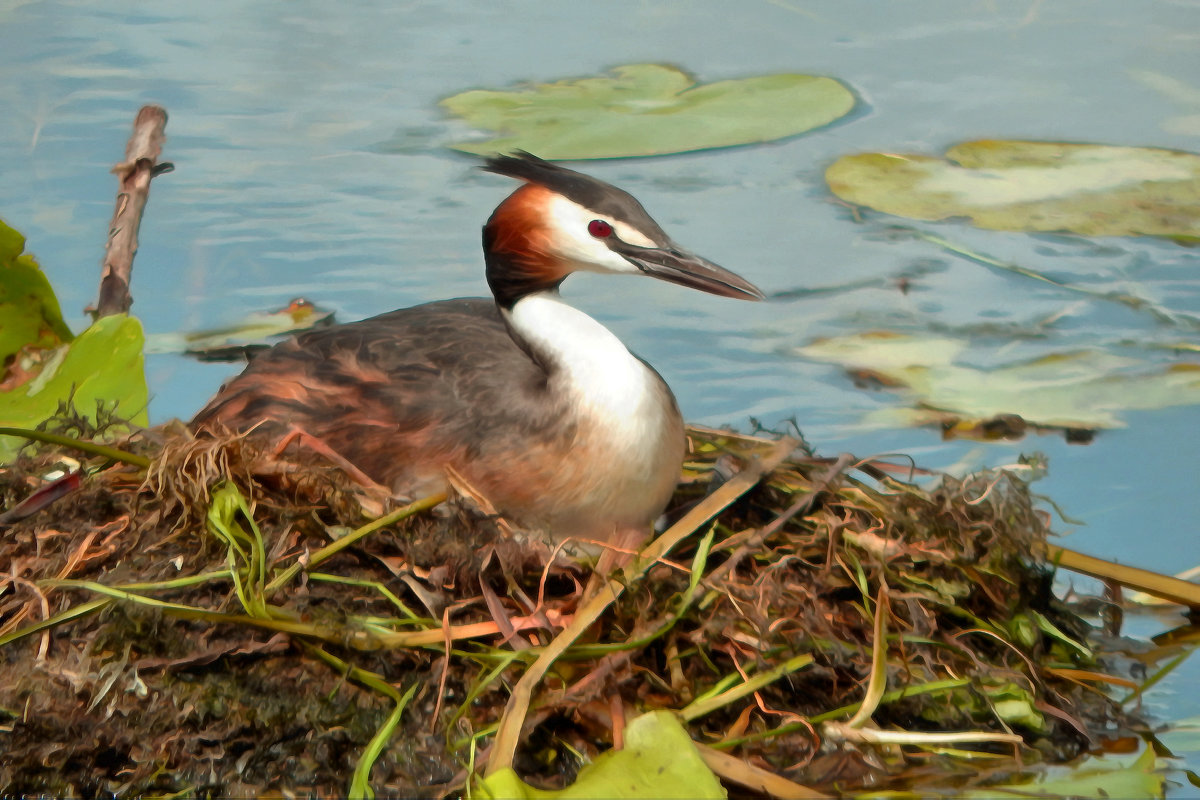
[1094,190]
[658,760]
[30,316]
[103,365]
[1096,777]
[646,109]
[1075,392]
[253,333]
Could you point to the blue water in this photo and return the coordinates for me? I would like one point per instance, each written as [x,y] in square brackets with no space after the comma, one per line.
[286,185]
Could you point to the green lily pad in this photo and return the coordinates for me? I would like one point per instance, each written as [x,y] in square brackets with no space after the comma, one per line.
[1093,777]
[1094,190]
[30,317]
[658,760]
[1073,391]
[644,110]
[254,332]
[103,364]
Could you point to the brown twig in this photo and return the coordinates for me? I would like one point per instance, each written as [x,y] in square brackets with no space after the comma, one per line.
[134,174]
[801,506]
[1168,588]
[743,773]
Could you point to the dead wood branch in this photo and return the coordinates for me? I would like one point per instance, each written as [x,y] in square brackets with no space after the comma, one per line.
[134,175]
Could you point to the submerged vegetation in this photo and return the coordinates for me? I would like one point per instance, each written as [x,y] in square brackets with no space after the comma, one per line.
[224,623]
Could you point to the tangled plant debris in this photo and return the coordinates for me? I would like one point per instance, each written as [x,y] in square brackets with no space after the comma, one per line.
[227,623]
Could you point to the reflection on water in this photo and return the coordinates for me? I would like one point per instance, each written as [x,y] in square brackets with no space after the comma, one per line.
[282,189]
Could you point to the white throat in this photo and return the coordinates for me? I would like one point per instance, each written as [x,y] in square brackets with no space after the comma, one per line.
[627,436]
[604,377]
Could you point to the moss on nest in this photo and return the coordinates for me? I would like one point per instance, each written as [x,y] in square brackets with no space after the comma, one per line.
[241,652]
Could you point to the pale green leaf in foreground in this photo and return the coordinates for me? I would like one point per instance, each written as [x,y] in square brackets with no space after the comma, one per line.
[104,363]
[646,109]
[658,760]
[1078,390]
[29,313]
[1094,190]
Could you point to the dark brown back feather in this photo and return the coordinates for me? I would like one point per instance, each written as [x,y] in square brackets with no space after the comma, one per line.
[437,381]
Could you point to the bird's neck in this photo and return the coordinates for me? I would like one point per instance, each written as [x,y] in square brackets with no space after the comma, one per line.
[583,357]
[516,250]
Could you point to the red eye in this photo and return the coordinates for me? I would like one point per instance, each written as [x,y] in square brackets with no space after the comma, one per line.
[600,229]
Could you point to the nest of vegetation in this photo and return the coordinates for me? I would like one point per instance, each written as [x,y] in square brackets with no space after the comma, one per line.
[224,623]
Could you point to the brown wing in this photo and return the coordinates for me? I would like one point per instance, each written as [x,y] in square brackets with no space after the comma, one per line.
[400,394]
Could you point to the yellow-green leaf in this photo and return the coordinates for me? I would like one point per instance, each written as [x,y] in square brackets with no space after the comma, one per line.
[30,316]
[1095,190]
[103,364]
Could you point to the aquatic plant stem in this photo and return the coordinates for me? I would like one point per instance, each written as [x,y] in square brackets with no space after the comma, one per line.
[360,783]
[1164,586]
[707,705]
[341,544]
[1160,314]
[78,444]
[877,685]
[74,612]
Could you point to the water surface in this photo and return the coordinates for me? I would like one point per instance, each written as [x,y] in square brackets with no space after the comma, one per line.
[284,187]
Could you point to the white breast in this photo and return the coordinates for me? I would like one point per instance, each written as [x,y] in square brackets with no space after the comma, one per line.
[606,379]
[629,428]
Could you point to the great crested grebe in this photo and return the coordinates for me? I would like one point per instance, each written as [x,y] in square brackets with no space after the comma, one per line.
[538,406]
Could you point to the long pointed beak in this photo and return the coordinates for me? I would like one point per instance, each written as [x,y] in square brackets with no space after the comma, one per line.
[687,269]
